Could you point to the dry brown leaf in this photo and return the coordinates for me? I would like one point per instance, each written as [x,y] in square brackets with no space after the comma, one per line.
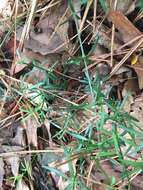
[2,172]
[30,125]
[39,42]
[130,86]
[50,33]
[127,30]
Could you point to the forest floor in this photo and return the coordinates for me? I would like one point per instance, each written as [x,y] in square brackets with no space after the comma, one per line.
[71,98]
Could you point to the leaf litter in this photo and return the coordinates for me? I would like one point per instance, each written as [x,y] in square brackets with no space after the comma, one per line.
[71,85]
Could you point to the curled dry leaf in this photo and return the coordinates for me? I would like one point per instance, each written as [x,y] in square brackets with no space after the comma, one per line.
[53,159]
[127,30]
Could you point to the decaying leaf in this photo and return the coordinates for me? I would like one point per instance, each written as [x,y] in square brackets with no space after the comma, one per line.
[50,34]
[127,30]
[39,42]
[130,87]
[2,172]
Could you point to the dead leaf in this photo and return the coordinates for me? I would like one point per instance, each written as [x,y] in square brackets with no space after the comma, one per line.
[130,86]
[127,30]
[51,33]
[39,42]
[2,172]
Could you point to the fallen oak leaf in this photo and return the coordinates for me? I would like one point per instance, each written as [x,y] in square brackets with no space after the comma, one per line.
[127,30]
